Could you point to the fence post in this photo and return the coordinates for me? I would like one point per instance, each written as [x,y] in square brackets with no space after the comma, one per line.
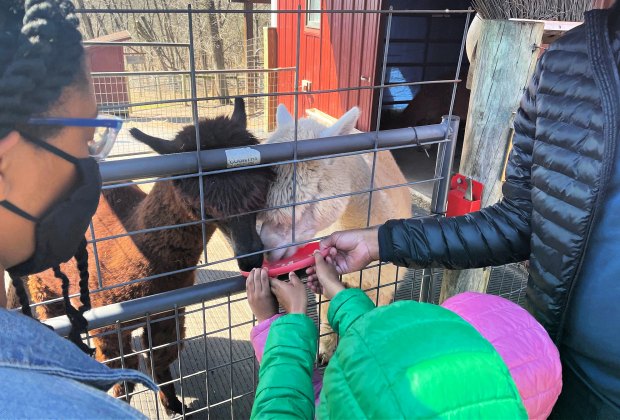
[439,203]
[496,89]
[192,79]
[443,168]
[270,49]
[250,78]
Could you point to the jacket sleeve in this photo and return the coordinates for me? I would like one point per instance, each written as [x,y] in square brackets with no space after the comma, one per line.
[285,378]
[346,308]
[495,235]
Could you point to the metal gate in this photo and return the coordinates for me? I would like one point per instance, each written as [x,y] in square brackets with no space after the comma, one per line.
[215,371]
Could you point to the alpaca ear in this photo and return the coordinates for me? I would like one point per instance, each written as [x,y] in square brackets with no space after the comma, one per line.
[161,146]
[283,117]
[344,125]
[239,116]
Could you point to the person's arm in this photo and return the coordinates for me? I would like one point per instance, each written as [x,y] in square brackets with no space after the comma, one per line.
[347,307]
[285,379]
[495,235]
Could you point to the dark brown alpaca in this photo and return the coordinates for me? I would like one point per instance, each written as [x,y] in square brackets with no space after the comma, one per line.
[169,203]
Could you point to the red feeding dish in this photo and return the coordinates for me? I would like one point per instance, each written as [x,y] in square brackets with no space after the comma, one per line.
[303,258]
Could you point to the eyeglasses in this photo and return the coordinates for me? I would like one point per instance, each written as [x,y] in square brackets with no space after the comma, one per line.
[106,131]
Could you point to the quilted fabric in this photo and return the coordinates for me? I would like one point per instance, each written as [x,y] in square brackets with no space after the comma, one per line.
[566,131]
[523,344]
[412,360]
[258,338]
[405,360]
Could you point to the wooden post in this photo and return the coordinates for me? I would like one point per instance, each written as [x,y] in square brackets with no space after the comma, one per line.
[248,17]
[270,48]
[218,53]
[158,88]
[503,65]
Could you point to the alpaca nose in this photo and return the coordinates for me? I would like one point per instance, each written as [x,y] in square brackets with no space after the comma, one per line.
[282,253]
[248,263]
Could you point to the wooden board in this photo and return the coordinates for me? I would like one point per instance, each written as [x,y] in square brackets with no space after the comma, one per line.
[553,29]
[270,47]
[504,64]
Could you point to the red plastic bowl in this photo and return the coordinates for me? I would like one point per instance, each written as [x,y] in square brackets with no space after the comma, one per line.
[303,258]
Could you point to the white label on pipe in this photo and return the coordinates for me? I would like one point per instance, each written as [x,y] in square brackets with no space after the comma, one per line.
[243,156]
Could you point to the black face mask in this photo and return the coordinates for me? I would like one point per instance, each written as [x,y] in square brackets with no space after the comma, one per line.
[59,232]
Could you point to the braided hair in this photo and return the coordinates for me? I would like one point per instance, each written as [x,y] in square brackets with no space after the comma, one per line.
[76,316]
[79,324]
[41,55]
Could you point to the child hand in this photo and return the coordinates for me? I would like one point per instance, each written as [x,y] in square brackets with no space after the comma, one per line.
[323,277]
[262,302]
[291,295]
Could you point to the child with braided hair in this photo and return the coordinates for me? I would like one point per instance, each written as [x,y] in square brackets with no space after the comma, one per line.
[49,190]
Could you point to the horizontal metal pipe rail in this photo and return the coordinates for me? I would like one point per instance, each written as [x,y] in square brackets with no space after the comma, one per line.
[137,308]
[134,44]
[443,167]
[290,11]
[277,94]
[180,72]
[216,159]
[150,305]
[128,183]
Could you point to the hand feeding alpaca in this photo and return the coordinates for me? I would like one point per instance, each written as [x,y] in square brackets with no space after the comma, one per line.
[327,178]
[171,202]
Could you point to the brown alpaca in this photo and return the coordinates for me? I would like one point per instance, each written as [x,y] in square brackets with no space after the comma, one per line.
[128,209]
[432,102]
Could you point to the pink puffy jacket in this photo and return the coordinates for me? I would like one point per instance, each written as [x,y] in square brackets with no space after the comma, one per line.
[525,346]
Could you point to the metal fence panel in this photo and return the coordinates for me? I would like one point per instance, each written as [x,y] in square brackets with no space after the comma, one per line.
[207,326]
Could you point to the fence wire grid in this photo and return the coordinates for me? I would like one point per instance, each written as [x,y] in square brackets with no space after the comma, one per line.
[202,332]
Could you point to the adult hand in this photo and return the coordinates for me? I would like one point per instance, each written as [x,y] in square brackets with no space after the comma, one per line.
[291,295]
[350,250]
[326,280]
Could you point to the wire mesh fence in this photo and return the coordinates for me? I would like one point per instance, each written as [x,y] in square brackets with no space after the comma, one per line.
[161,103]
[214,373]
[179,219]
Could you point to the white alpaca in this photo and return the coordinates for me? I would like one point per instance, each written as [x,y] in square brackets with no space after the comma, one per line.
[328,178]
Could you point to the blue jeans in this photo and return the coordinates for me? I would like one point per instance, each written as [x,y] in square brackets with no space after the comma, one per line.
[43,375]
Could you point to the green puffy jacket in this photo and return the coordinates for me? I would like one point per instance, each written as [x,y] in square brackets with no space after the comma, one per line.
[404,360]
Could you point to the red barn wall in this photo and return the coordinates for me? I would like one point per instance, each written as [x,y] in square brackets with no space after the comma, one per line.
[335,56]
[110,89]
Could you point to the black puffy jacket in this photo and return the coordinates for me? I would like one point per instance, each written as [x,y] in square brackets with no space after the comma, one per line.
[566,132]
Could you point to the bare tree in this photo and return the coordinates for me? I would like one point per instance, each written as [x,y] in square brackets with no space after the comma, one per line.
[116,17]
[218,51]
[146,32]
[86,21]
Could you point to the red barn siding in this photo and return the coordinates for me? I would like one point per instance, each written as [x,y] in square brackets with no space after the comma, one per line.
[109,58]
[336,56]
[106,58]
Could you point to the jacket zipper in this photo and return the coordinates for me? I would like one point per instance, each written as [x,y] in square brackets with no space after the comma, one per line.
[599,45]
